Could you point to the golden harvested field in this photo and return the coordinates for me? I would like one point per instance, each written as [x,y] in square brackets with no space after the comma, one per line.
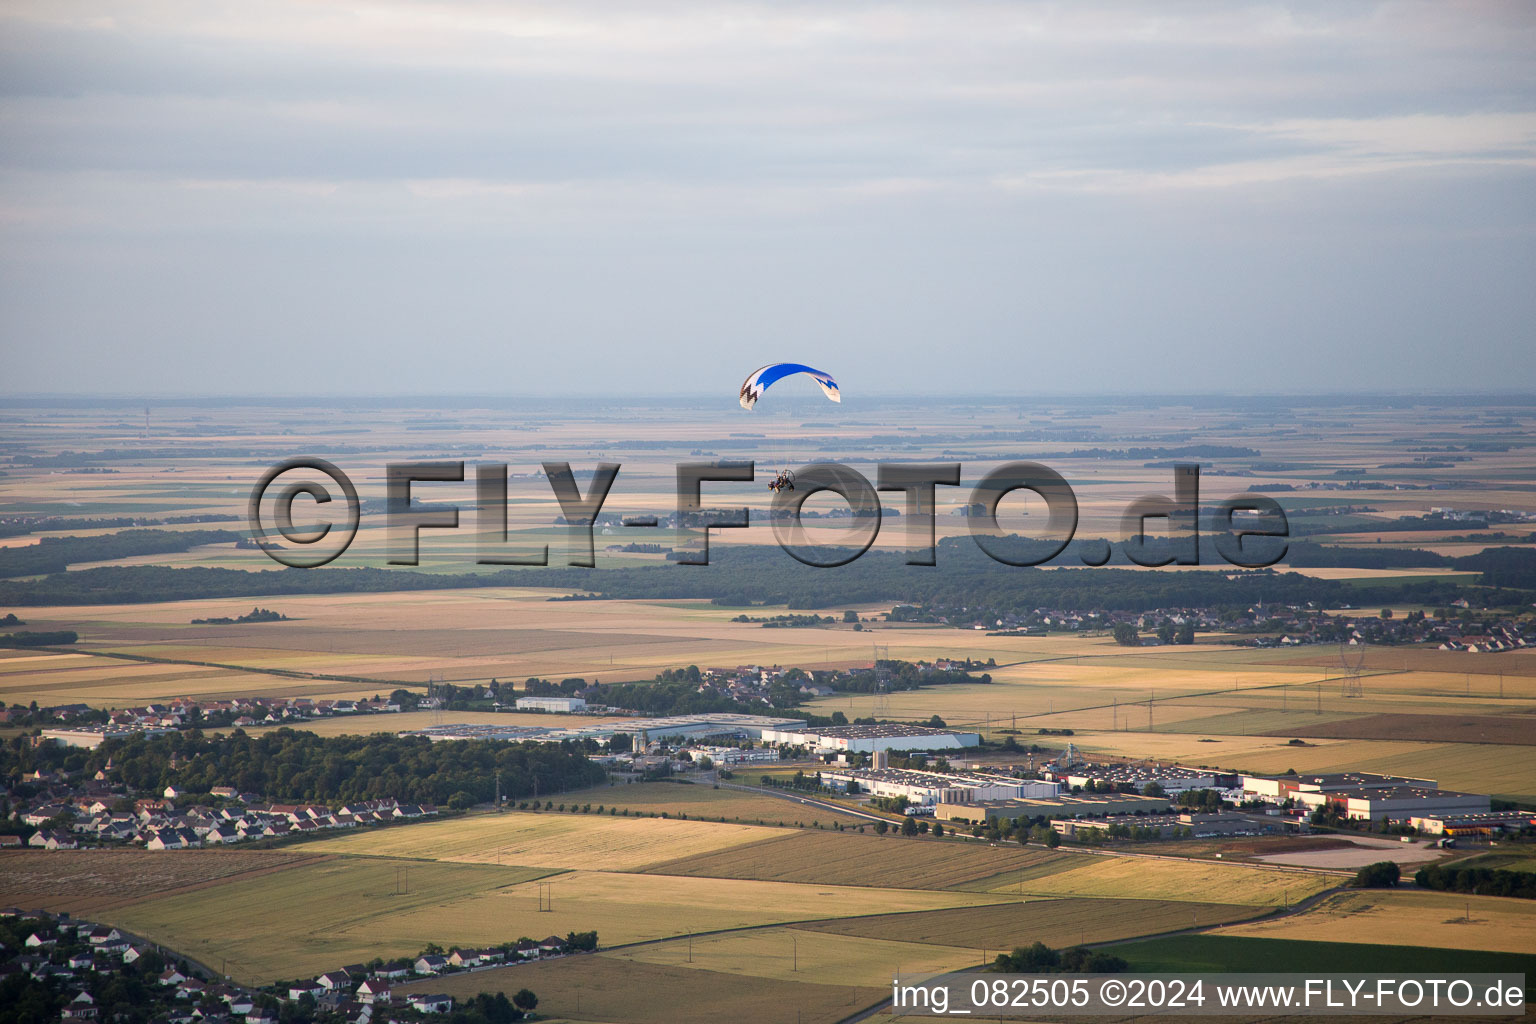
[605,989]
[473,635]
[842,858]
[702,800]
[792,954]
[1178,880]
[85,882]
[316,916]
[626,907]
[112,682]
[551,840]
[318,913]
[1408,918]
[1056,922]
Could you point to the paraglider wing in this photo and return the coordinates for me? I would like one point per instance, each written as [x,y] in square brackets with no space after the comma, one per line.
[753,387]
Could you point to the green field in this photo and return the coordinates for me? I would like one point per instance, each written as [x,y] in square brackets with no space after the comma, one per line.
[1055,922]
[549,839]
[330,911]
[1184,881]
[1511,860]
[701,801]
[314,917]
[833,858]
[608,989]
[1233,954]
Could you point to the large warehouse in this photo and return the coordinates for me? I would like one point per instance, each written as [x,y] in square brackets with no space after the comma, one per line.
[1394,803]
[642,730]
[1279,788]
[927,789]
[1062,805]
[867,739]
[1172,778]
[566,704]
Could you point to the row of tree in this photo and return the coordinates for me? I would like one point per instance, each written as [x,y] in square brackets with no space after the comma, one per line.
[965,578]
[56,554]
[1479,881]
[1042,959]
[287,765]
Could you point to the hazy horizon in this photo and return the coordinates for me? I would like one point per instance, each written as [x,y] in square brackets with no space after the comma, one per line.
[533,198]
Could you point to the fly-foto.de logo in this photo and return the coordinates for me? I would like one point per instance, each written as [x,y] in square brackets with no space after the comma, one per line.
[1247,530]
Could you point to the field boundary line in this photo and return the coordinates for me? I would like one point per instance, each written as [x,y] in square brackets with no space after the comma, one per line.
[1302,907]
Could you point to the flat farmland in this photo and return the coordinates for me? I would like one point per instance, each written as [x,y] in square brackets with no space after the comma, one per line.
[85,882]
[1515,860]
[112,682]
[1056,922]
[552,840]
[474,635]
[1088,682]
[1518,729]
[1080,674]
[1245,848]
[793,954]
[624,907]
[842,858]
[703,801]
[608,989]
[1408,918]
[1190,881]
[313,917]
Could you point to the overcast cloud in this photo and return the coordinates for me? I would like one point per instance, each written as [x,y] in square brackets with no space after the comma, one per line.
[657,197]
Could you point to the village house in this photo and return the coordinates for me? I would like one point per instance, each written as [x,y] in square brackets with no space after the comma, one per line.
[82,1007]
[431,1003]
[430,964]
[374,990]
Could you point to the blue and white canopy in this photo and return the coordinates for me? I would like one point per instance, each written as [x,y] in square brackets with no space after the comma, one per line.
[752,389]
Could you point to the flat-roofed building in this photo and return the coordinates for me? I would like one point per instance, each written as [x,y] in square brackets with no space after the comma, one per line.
[1279,788]
[1395,803]
[1063,805]
[566,704]
[1220,823]
[93,736]
[728,724]
[1172,778]
[928,789]
[867,739]
[1478,824]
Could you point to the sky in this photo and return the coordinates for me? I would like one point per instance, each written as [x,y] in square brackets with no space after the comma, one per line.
[656,197]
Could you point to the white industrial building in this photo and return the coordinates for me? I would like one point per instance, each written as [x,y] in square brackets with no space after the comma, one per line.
[1171,778]
[551,704]
[737,755]
[867,739]
[927,789]
[642,730]
[1394,803]
[1476,824]
[93,736]
[1279,788]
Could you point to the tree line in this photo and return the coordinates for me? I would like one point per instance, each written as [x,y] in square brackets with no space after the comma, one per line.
[1478,881]
[56,554]
[965,578]
[1042,959]
[39,638]
[289,766]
